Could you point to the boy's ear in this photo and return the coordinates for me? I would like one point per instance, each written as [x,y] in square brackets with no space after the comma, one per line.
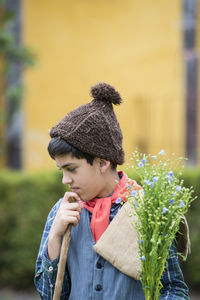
[104,165]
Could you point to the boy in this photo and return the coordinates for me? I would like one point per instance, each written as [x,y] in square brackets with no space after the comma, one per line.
[87,146]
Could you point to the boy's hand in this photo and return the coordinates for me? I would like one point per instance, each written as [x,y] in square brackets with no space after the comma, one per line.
[67,213]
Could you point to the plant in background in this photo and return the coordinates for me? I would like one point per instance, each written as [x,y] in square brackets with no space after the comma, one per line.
[14,58]
[159,210]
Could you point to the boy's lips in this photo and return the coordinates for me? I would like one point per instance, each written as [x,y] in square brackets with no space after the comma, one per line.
[74,189]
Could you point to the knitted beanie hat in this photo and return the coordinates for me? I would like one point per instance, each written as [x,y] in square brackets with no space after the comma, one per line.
[93,128]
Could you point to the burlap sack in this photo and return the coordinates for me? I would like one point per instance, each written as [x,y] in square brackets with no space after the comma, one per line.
[119,243]
[183,238]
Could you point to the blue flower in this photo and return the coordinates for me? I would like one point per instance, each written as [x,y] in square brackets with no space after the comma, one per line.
[162,152]
[146,182]
[181,204]
[143,160]
[133,193]
[170,178]
[155,179]
[119,200]
[178,188]
[135,204]
[143,257]
[152,184]
[141,241]
[170,173]
[140,164]
[154,156]
[174,195]
[164,210]
[171,201]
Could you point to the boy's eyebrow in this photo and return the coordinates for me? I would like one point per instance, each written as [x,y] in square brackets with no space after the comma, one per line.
[65,165]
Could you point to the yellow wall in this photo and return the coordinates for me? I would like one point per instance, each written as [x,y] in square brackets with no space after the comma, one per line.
[134,45]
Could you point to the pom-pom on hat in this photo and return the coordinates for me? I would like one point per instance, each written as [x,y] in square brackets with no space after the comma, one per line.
[93,128]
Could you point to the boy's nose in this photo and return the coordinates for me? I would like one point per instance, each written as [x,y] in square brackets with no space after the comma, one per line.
[66,179]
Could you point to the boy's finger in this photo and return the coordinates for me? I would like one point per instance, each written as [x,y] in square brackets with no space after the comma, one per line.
[72,206]
[72,195]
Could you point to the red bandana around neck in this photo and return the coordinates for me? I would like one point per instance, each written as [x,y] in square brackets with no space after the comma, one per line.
[100,207]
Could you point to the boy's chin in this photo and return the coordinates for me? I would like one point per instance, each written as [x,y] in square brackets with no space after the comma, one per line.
[86,200]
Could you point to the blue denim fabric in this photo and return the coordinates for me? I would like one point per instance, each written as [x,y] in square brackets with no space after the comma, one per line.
[89,276]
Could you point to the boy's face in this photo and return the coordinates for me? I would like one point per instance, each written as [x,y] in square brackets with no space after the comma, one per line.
[84,179]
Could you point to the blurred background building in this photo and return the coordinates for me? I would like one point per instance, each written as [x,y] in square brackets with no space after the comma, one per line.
[147,49]
[51,53]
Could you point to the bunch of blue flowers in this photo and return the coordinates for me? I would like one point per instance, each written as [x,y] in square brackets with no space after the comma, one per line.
[159,209]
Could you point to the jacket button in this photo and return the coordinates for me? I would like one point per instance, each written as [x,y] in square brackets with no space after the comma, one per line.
[99,265]
[98,287]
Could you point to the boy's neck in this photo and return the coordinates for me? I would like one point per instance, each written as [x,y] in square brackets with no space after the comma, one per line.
[112,180]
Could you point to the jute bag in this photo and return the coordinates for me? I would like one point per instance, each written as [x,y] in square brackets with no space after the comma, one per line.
[119,243]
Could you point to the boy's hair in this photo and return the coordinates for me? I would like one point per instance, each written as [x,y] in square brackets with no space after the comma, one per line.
[59,146]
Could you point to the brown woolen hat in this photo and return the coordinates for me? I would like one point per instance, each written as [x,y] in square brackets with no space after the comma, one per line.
[93,128]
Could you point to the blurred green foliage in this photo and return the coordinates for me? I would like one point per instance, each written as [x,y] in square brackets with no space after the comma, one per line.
[191,268]
[26,199]
[25,202]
